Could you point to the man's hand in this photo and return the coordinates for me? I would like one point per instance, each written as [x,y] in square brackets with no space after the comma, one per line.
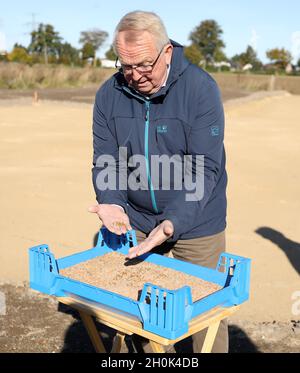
[113,218]
[159,235]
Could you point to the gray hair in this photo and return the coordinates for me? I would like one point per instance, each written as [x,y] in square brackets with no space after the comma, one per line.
[143,21]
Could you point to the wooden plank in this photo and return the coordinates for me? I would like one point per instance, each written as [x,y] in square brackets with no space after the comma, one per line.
[203,321]
[99,310]
[156,347]
[210,337]
[120,329]
[118,341]
[114,320]
[92,332]
[130,324]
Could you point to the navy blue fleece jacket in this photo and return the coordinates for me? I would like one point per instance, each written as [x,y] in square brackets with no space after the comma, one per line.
[184,118]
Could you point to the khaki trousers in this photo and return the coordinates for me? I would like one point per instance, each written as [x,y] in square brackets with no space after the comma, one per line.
[204,251]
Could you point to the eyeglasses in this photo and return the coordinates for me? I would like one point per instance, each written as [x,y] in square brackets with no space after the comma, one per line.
[142,69]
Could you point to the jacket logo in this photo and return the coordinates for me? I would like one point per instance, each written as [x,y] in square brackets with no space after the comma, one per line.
[215,131]
[162,129]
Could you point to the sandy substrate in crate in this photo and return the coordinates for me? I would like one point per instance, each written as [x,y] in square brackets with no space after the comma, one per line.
[127,277]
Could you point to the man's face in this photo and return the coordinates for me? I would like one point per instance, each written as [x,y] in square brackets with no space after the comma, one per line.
[138,48]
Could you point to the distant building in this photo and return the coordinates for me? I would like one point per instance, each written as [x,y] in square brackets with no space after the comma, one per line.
[222,64]
[107,63]
[269,66]
[289,68]
[3,55]
[247,67]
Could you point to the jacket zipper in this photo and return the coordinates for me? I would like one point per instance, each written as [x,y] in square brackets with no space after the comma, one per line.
[147,104]
[146,145]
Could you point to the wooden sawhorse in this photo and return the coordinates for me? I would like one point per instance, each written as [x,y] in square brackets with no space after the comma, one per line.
[126,324]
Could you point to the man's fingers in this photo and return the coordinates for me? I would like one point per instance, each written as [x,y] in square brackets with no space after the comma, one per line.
[93,208]
[124,229]
[127,227]
[168,228]
[120,227]
[117,227]
[112,217]
[139,250]
[133,254]
[114,230]
[157,237]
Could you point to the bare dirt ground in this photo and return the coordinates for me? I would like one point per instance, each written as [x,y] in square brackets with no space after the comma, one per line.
[86,94]
[45,167]
[38,323]
[83,94]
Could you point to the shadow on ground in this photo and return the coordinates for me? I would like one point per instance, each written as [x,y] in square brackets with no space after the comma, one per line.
[289,247]
[77,339]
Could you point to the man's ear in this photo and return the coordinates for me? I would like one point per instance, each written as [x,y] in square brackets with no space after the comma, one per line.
[169,52]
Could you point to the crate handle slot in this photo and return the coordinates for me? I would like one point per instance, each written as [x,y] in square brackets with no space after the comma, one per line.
[237,272]
[43,268]
[113,241]
[166,310]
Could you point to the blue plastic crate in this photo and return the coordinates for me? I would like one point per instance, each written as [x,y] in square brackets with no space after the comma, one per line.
[162,311]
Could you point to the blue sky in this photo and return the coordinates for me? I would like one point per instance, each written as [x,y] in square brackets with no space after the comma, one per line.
[264,24]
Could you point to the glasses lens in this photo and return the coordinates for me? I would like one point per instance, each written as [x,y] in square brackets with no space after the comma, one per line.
[144,69]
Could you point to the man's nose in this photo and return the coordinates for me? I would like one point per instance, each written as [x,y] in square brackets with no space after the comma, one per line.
[135,75]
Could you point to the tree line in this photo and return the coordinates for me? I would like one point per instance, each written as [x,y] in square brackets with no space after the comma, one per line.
[206,49]
[47,46]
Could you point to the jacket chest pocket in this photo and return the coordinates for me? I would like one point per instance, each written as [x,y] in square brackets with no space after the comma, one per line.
[129,131]
[170,136]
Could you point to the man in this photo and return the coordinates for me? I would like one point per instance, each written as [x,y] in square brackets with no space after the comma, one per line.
[160,105]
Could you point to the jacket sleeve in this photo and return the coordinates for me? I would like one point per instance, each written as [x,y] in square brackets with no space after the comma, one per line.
[107,169]
[206,140]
